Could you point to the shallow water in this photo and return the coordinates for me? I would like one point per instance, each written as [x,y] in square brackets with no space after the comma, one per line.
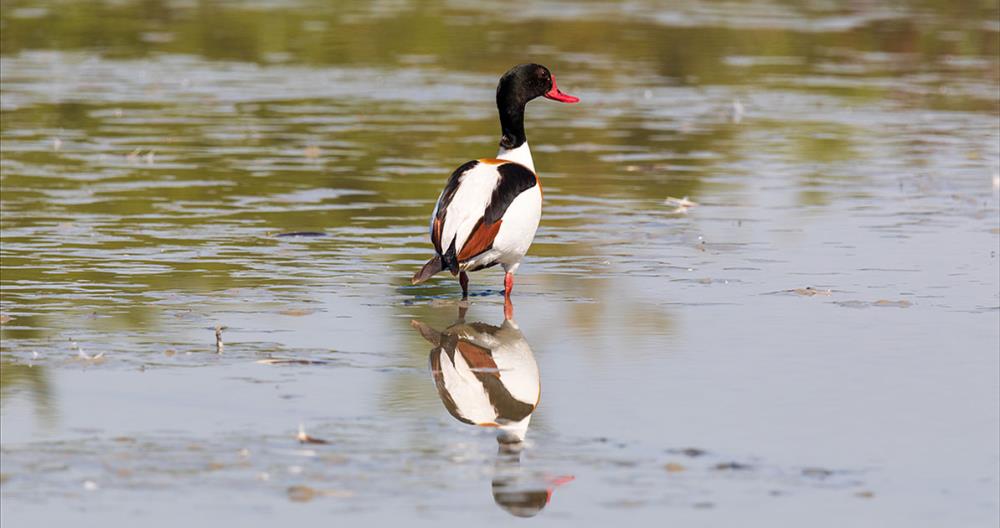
[814,343]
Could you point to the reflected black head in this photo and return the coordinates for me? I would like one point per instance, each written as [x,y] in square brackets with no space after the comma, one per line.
[521,503]
[519,85]
[509,493]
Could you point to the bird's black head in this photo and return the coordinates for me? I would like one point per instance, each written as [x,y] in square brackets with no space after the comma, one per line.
[521,84]
[525,82]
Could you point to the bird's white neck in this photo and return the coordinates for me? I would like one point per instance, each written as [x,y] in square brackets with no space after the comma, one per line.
[521,154]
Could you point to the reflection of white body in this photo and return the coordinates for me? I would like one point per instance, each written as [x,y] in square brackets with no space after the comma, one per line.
[485,375]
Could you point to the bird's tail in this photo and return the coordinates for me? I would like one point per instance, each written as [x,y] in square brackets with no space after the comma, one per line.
[433,266]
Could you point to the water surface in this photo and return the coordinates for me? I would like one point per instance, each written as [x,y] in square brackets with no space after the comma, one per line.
[814,343]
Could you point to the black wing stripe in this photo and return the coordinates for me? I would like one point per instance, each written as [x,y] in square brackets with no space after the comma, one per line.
[514,180]
[450,259]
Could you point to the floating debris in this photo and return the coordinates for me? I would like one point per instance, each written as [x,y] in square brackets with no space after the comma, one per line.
[80,353]
[674,467]
[56,144]
[300,493]
[865,494]
[311,152]
[160,37]
[301,234]
[732,466]
[133,156]
[219,345]
[692,452]
[304,438]
[902,303]
[90,485]
[290,361]
[881,303]
[5,319]
[809,291]
[816,472]
[736,112]
[297,312]
[680,205]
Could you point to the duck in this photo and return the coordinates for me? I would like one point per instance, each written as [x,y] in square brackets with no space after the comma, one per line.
[490,208]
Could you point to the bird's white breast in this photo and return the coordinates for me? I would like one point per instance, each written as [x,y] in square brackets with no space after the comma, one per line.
[519,226]
[520,155]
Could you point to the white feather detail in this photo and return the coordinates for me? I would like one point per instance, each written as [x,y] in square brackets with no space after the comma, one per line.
[520,155]
[520,222]
[474,193]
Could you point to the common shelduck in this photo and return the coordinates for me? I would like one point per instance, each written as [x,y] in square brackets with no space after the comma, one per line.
[489,210]
[485,375]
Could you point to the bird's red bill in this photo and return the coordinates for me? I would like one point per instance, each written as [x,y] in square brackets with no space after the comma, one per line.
[557,95]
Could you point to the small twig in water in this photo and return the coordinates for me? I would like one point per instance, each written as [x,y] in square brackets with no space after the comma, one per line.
[304,438]
[680,205]
[218,339]
[85,356]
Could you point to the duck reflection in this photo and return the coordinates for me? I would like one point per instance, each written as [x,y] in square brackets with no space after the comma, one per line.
[486,375]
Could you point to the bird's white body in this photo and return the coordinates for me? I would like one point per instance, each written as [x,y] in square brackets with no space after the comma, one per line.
[525,212]
[469,202]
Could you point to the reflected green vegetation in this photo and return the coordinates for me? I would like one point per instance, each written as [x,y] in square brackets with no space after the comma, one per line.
[151,149]
[30,382]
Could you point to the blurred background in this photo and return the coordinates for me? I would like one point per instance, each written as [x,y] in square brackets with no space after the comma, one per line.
[765,289]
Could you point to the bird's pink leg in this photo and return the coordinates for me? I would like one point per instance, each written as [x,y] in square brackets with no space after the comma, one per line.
[463,279]
[508,286]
